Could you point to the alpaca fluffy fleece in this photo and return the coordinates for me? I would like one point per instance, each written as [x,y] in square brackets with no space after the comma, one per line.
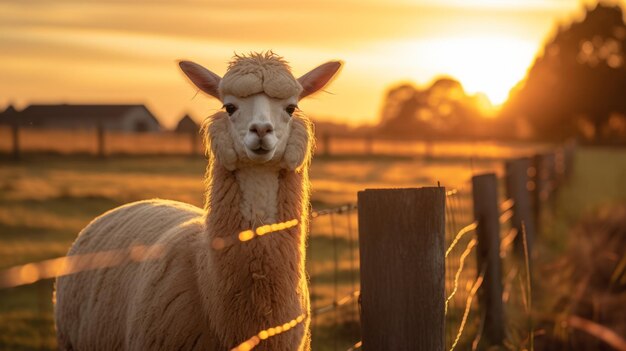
[194,297]
[259,73]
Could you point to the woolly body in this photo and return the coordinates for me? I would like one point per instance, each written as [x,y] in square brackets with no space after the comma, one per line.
[171,302]
[190,296]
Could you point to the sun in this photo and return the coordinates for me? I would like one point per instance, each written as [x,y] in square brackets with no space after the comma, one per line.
[488,64]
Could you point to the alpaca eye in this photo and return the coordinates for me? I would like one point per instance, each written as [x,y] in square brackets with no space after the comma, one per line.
[230,109]
[291,109]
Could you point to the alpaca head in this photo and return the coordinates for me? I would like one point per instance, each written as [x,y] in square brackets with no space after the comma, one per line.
[260,98]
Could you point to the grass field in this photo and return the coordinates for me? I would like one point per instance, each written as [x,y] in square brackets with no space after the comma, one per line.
[46,200]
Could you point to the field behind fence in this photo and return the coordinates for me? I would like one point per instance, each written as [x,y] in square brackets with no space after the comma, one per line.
[334,258]
[103,143]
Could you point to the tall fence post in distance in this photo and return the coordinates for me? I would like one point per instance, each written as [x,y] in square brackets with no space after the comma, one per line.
[568,158]
[15,134]
[549,175]
[537,188]
[326,144]
[369,144]
[487,215]
[428,149]
[517,188]
[559,166]
[401,241]
[193,139]
[100,137]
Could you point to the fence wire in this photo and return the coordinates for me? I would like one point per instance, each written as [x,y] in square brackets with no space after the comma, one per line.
[332,235]
[462,275]
[333,268]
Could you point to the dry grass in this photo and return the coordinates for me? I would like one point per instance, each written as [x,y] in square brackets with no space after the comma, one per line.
[46,200]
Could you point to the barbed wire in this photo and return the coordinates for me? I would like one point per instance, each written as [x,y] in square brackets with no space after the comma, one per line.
[464,255]
[452,192]
[249,234]
[507,242]
[35,271]
[32,272]
[353,278]
[356,346]
[337,303]
[335,276]
[468,305]
[265,334]
[468,228]
[505,216]
[338,210]
[507,205]
[481,329]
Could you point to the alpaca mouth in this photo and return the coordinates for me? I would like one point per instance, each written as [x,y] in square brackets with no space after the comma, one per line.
[260,151]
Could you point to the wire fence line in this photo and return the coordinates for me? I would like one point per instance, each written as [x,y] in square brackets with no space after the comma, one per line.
[354,294]
[334,285]
[335,313]
[33,272]
[468,304]
[462,276]
[457,274]
[534,182]
[338,301]
[454,211]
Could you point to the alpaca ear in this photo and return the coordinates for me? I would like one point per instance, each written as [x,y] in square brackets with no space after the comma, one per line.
[318,78]
[201,77]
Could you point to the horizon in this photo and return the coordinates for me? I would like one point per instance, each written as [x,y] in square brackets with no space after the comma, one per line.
[115,52]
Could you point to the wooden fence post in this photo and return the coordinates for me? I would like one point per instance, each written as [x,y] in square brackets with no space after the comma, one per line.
[194,142]
[401,240]
[517,184]
[326,144]
[559,166]
[487,215]
[549,175]
[100,137]
[428,149]
[568,159]
[537,188]
[15,133]
[369,144]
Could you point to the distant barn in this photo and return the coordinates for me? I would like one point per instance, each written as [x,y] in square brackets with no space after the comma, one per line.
[187,125]
[9,116]
[124,118]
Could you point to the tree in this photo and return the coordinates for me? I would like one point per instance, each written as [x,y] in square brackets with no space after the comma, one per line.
[443,110]
[578,84]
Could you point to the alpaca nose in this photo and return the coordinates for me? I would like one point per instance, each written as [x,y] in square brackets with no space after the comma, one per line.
[261,129]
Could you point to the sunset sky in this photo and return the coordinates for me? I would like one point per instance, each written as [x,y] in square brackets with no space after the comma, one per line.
[81,51]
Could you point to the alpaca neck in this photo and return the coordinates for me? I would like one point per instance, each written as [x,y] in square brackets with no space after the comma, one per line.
[259,193]
[259,283]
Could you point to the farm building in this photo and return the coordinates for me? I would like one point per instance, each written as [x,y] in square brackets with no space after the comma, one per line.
[187,125]
[8,116]
[125,118]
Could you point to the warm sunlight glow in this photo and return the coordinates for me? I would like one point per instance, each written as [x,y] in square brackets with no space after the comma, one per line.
[487,64]
[518,4]
[125,52]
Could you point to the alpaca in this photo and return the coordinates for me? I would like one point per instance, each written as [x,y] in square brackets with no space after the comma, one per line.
[196,295]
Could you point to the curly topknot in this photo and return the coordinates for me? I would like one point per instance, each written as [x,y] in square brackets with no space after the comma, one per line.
[255,73]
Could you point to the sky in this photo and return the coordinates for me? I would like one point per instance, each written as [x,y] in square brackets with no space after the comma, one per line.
[84,51]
